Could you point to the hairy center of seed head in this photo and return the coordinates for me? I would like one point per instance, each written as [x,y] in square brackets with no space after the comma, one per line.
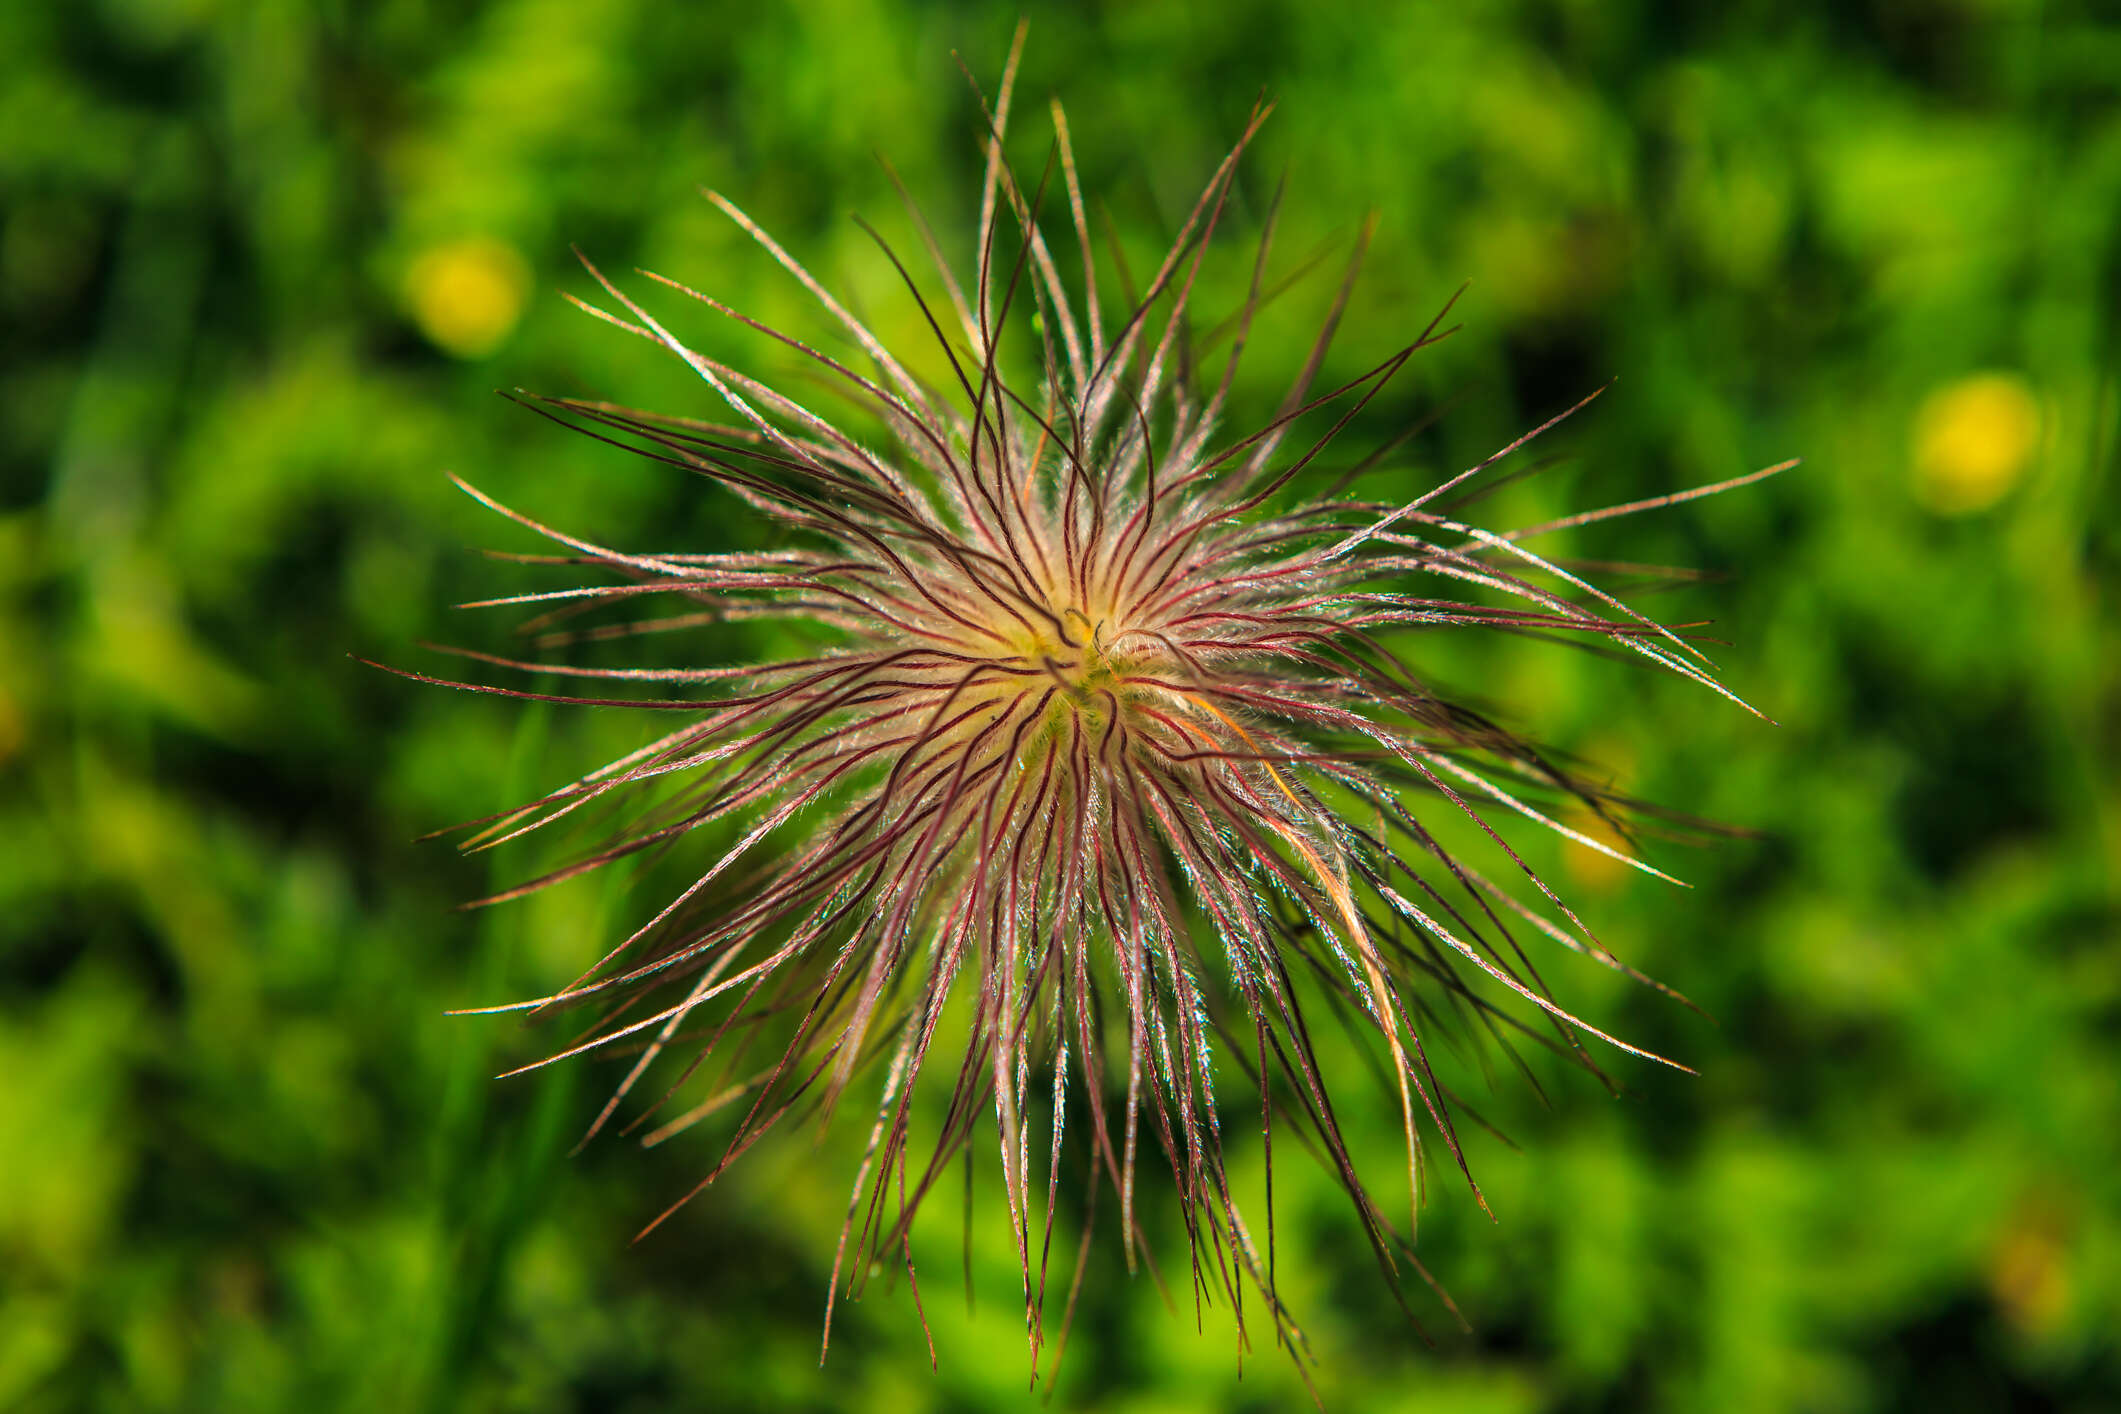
[1075,650]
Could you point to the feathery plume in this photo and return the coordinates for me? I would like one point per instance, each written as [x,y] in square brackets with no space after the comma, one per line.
[1113,772]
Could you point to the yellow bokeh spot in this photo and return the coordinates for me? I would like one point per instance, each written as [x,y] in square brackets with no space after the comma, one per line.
[1974,440]
[2029,1275]
[1587,867]
[468,294]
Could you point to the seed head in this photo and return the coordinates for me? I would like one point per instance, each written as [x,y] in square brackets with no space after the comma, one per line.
[1113,773]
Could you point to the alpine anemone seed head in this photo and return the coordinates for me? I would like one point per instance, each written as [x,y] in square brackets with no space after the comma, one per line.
[1119,769]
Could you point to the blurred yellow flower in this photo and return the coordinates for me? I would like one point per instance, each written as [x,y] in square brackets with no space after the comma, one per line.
[2029,1273]
[1973,441]
[466,295]
[1590,869]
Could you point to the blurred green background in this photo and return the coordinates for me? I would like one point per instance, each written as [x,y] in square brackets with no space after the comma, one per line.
[262,265]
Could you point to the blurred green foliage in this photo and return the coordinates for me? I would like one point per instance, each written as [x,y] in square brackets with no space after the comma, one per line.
[261,264]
